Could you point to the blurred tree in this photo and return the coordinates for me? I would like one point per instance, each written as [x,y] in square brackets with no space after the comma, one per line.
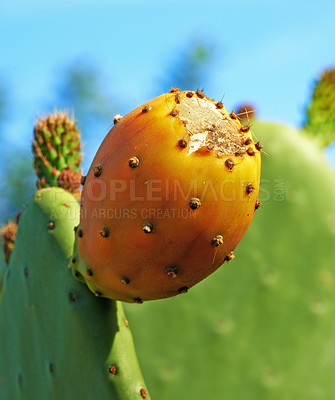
[19,182]
[2,102]
[190,69]
[81,89]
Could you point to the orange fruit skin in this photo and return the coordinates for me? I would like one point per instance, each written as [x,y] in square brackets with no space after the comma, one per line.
[131,265]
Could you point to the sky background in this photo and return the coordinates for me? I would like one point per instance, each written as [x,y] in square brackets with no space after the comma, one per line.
[268,53]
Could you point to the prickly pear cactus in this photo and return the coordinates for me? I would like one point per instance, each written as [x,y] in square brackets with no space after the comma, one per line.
[320,118]
[169,195]
[56,149]
[58,341]
[263,325]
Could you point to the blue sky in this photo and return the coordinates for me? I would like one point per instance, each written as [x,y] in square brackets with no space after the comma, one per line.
[266,52]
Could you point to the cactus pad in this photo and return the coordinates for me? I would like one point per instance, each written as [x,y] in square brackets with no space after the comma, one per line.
[56,147]
[263,326]
[58,341]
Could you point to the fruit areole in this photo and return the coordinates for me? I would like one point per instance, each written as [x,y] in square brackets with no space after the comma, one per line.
[169,195]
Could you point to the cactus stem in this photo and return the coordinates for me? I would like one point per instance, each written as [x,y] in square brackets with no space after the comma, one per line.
[177,98]
[219,105]
[189,94]
[247,142]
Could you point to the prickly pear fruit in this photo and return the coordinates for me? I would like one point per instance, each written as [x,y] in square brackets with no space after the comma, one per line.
[320,118]
[56,148]
[169,195]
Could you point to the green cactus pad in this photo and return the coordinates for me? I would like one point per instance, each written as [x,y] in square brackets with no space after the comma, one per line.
[57,340]
[56,148]
[320,121]
[262,326]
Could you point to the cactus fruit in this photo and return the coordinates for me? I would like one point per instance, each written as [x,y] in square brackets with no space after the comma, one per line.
[57,340]
[264,327]
[320,118]
[169,195]
[7,235]
[56,148]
